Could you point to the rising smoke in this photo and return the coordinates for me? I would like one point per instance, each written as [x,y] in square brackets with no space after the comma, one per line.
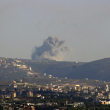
[50,50]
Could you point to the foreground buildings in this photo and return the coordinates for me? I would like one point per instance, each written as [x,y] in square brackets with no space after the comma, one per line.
[26,96]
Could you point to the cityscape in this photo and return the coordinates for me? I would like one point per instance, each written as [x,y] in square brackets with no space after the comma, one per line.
[42,91]
[54,55]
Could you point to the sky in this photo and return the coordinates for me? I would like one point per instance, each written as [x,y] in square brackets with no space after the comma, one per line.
[83,24]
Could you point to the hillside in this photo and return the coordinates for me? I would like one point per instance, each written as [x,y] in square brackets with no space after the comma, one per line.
[99,70]
[55,68]
[11,69]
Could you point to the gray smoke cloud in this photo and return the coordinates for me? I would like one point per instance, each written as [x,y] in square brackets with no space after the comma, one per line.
[50,50]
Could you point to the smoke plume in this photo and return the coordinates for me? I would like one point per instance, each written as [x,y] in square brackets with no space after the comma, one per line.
[50,50]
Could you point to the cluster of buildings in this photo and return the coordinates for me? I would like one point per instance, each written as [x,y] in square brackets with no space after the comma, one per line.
[19,91]
[12,106]
[15,66]
[87,91]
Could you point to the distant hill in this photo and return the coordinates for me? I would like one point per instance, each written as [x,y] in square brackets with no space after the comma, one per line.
[99,70]
[11,69]
[55,68]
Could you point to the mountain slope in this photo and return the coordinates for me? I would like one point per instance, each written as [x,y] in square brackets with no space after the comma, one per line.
[99,69]
[11,69]
[55,68]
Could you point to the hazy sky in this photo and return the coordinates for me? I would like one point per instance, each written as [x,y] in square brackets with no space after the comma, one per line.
[83,24]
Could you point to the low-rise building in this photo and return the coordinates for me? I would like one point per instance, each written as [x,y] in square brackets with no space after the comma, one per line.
[30,94]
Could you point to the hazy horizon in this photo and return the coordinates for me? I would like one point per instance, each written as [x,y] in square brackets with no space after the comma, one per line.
[84,25]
